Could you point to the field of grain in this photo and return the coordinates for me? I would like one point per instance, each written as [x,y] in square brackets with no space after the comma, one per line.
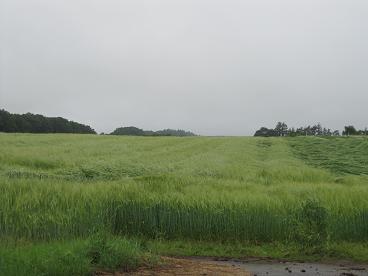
[305,190]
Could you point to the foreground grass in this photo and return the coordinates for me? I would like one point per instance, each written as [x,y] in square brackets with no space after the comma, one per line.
[73,257]
[109,253]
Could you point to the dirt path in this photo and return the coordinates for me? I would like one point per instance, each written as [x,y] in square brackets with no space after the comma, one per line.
[187,266]
[251,267]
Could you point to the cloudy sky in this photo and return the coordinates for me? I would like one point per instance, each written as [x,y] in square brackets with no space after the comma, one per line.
[216,67]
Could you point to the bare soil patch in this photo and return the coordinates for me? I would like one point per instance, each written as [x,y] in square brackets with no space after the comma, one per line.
[176,266]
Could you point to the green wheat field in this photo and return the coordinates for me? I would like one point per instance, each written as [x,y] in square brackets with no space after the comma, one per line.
[70,204]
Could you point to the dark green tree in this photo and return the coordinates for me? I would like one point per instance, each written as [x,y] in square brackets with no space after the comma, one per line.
[349,130]
[35,123]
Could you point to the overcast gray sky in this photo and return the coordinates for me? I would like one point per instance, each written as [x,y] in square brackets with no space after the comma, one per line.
[214,67]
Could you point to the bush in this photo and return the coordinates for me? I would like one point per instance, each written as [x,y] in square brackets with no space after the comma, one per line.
[311,226]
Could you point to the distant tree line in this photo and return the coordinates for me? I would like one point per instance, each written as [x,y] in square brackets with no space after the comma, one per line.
[281,129]
[34,123]
[351,130]
[140,132]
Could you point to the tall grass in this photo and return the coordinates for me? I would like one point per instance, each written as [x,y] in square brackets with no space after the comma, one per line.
[215,189]
[39,210]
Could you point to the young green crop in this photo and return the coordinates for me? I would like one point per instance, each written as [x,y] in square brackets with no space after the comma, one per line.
[199,188]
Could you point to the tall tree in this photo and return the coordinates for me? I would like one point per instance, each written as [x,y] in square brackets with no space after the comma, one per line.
[349,130]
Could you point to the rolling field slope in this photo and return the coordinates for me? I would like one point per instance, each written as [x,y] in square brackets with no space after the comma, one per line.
[305,190]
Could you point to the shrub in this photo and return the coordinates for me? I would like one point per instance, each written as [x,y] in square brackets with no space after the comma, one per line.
[311,226]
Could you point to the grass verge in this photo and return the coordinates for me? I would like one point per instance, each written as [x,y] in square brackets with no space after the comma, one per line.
[102,252]
[73,257]
[354,252]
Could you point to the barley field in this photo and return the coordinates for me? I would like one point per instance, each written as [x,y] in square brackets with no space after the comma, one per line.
[304,190]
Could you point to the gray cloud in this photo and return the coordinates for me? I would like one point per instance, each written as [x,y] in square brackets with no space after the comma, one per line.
[214,67]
